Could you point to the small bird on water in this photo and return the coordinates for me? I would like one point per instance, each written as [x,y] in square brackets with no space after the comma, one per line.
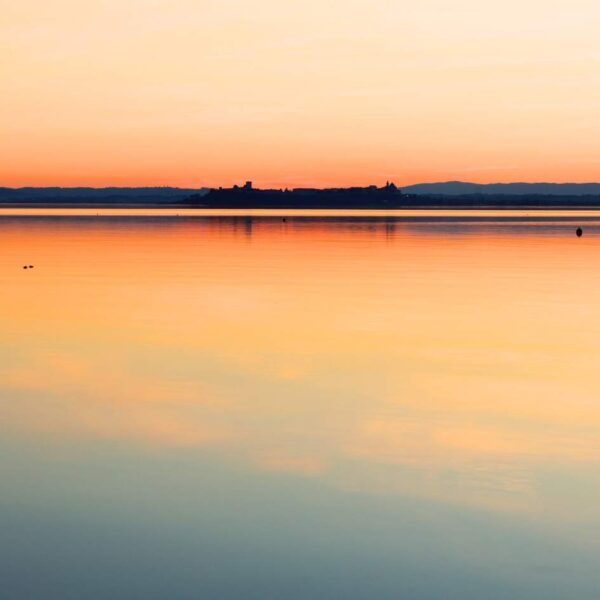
[579,232]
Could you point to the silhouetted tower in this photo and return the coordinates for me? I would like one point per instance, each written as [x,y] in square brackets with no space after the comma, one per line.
[248,185]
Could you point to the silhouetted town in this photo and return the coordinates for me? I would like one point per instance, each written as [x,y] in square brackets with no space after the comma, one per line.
[246,196]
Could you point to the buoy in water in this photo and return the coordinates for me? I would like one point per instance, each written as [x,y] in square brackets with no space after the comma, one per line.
[579,232]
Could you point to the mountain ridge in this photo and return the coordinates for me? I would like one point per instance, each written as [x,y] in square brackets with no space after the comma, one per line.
[460,188]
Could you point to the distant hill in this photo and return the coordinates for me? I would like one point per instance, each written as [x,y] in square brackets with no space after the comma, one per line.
[460,188]
[86,195]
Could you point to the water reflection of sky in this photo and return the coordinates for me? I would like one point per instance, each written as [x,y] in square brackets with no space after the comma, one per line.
[327,408]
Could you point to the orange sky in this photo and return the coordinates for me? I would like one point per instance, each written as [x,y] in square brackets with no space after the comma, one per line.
[213,92]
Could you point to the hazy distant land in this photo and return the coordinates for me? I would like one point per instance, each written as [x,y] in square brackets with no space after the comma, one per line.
[78,196]
[454,194]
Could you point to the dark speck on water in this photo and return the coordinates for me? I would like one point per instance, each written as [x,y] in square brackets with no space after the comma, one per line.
[579,232]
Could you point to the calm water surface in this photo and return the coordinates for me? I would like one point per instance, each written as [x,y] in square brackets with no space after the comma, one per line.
[359,406]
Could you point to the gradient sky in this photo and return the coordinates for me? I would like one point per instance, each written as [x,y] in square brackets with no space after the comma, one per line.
[199,92]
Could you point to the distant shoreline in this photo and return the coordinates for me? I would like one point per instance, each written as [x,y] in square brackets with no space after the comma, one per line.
[408,207]
[437,196]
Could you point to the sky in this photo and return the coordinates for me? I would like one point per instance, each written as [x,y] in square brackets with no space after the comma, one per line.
[342,92]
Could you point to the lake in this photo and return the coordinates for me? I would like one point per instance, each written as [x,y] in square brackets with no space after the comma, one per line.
[299,405]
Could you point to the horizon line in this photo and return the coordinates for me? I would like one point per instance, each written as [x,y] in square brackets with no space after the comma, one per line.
[207,187]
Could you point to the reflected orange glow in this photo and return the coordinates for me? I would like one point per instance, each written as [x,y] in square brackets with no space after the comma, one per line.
[447,359]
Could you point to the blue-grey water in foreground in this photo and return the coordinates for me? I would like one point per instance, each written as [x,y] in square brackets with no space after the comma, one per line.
[331,406]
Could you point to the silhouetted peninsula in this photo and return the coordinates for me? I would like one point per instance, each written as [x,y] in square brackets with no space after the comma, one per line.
[247,196]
